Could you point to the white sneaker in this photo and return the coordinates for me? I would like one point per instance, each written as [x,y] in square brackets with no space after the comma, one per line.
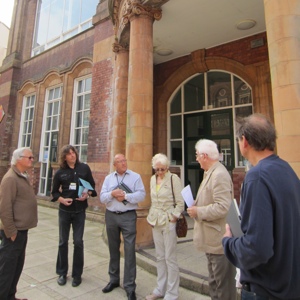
[153,297]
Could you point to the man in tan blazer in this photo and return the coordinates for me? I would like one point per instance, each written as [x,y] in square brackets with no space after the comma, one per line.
[209,211]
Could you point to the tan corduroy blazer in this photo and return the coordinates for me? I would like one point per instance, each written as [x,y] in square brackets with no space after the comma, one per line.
[213,201]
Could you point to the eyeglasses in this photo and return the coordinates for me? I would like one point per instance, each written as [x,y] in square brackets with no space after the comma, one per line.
[121,161]
[29,157]
[160,170]
[200,155]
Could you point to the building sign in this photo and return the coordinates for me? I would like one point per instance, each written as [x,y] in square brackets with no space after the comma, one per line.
[2,113]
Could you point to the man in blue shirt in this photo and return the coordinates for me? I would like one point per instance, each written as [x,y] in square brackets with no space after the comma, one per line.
[121,191]
[268,252]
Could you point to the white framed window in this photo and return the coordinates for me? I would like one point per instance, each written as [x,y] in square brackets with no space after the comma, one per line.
[49,138]
[58,20]
[81,116]
[27,117]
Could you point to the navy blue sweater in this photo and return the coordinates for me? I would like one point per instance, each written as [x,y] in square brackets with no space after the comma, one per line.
[268,253]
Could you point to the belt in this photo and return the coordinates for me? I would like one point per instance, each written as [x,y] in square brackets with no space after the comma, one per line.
[120,212]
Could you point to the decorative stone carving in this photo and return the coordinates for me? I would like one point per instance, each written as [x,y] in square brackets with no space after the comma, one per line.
[119,48]
[124,10]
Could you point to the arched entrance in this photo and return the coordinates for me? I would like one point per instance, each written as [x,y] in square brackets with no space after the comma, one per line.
[205,106]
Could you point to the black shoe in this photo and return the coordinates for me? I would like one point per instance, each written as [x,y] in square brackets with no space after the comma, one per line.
[62,280]
[76,281]
[131,295]
[110,287]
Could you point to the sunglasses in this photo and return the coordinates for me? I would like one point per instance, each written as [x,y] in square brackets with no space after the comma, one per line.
[160,170]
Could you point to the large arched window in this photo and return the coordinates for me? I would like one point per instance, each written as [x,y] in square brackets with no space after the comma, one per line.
[205,106]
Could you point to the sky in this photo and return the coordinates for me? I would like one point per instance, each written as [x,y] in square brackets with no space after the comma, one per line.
[6,8]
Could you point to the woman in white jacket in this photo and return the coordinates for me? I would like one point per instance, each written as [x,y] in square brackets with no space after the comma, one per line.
[162,217]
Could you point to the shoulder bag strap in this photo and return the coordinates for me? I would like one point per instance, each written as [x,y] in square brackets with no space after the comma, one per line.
[173,191]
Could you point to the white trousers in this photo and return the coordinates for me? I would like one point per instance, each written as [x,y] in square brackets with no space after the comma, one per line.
[165,240]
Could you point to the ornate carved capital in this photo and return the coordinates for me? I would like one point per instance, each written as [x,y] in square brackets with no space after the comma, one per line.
[135,8]
[120,48]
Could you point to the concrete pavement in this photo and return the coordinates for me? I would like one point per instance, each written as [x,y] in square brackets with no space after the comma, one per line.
[38,280]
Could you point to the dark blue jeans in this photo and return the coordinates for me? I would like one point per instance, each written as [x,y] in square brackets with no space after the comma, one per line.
[252,296]
[12,257]
[77,220]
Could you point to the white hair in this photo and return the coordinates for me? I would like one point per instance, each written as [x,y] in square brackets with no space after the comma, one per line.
[17,155]
[160,158]
[208,147]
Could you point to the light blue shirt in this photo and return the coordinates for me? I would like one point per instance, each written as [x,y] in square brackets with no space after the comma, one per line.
[132,180]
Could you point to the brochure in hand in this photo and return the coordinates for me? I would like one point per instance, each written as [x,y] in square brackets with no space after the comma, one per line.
[85,186]
[234,219]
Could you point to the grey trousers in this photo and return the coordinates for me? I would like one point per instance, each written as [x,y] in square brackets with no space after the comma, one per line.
[115,225]
[221,277]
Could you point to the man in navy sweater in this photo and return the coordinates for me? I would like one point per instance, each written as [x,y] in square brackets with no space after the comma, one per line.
[268,252]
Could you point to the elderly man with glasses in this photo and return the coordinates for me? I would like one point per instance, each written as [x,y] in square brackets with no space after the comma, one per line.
[18,214]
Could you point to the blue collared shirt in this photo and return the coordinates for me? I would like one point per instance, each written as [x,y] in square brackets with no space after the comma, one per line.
[132,180]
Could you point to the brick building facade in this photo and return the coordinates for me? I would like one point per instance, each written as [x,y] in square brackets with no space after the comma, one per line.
[130,97]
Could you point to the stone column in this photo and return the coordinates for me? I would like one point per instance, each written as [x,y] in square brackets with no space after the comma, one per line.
[139,133]
[120,101]
[283,23]
[139,138]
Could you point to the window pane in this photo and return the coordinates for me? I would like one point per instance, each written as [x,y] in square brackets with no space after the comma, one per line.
[86,118]
[48,124]
[79,89]
[78,122]
[83,154]
[55,19]
[88,84]
[77,136]
[176,127]
[194,96]
[176,103]
[72,14]
[79,103]
[219,89]
[85,133]
[194,126]
[55,108]
[55,123]
[176,153]
[220,124]
[242,92]
[42,21]
[87,99]
[88,9]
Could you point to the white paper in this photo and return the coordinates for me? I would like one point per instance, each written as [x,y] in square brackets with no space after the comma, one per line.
[188,196]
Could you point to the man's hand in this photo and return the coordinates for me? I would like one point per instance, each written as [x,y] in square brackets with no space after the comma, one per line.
[65,201]
[118,194]
[227,231]
[13,237]
[192,211]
